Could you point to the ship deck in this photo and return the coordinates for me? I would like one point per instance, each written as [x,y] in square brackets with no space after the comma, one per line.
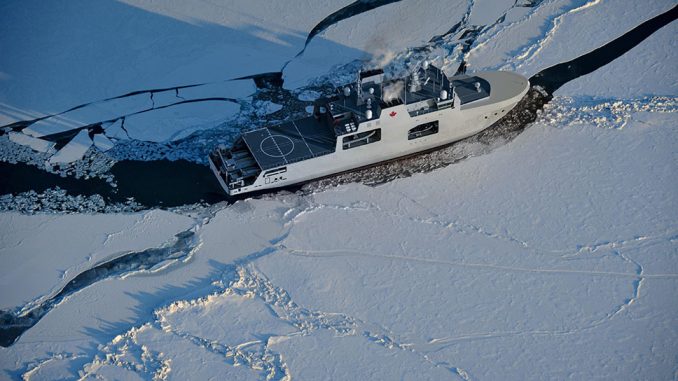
[290,142]
[465,87]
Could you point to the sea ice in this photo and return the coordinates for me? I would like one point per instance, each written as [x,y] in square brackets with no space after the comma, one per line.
[74,150]
[37,144]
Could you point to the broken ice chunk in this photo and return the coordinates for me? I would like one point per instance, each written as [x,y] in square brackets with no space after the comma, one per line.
[102,142]
[74,150]
[29,141]
[116,130]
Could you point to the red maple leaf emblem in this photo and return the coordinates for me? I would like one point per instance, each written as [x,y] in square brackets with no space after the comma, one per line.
[393,113]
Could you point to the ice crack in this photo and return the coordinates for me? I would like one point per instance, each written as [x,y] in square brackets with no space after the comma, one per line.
[14,324]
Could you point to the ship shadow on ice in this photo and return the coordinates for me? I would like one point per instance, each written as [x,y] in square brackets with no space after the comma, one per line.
[544,84]
[156,181]
[195,32]
[353,9]
[159,174]
[153,25]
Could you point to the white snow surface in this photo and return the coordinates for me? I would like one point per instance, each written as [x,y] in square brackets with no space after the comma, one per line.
[42,253]
[502,266]
[375,35]
[648,69]
[558,31]
[552,256]
[123,46]
[167,124]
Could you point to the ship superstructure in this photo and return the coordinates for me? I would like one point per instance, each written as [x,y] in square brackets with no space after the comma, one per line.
[367,122]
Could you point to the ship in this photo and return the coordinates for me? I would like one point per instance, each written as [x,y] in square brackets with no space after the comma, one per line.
[367,122]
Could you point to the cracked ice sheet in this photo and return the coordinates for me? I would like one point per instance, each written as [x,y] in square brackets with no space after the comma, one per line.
[98,313]
[648,69]
[41,253]
[324,356]
[157,125]
[179,121]
[541,250]
[486,12]
[176,122]
[480,239]
[93,113]
[385,30]
[559,31]
[29,141]
[68,59]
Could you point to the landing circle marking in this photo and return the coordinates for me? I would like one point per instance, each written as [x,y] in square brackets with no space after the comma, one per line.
[277,146]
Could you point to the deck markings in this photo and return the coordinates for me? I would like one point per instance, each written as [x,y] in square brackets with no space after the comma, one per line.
[272,137]
[303,139]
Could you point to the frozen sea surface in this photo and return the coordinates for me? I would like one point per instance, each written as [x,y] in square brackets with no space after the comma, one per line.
[544,252]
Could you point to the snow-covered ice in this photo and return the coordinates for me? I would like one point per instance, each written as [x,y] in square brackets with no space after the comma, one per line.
[43,253]
[74,150]
[102,142]
[397,28]
[478,271]
[558,31]
[165,124]
[125,46]
[647,70]
[548,256]
[37,144]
